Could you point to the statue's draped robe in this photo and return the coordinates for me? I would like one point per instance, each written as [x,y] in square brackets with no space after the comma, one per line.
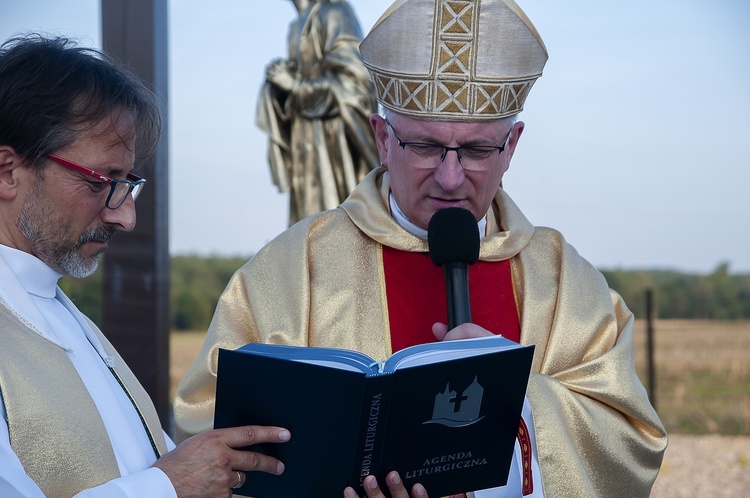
[320,141]
[321,283]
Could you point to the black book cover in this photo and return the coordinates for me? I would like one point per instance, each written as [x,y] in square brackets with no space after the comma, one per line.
[449,424]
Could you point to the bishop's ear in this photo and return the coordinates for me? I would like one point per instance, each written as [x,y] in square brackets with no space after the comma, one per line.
[518,128]
[380,130]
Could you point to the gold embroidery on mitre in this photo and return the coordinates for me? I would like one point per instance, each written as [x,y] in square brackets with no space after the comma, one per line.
[455,57]
[517,93]
[456,43]
[387,88]
[457,17]
[416,95]
[489,99]
[453,96]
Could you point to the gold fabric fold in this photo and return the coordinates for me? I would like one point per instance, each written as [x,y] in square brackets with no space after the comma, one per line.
[320,283]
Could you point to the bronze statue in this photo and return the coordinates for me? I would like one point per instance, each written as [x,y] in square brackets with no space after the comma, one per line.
[315,108]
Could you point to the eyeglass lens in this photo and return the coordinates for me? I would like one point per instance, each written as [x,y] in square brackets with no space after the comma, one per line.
[120,190]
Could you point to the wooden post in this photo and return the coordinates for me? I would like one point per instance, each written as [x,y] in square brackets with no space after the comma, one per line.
[136,267]
[650,317]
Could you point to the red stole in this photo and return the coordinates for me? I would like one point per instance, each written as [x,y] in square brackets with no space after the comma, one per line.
[415,290]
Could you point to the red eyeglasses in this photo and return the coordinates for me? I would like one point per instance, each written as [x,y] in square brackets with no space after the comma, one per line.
[118,189]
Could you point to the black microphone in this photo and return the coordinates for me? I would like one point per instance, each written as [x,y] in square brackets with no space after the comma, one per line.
[453,239]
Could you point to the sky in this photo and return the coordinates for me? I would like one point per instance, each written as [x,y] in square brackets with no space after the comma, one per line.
[636,139]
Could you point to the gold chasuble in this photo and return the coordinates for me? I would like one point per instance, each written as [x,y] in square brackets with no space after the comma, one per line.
[323,282]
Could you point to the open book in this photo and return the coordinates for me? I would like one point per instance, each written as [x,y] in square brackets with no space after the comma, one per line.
[444,414]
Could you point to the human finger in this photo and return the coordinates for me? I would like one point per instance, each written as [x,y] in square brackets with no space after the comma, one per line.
[397,489]
[466,331]
[240,437]
[418,491]
[246,435]
[252,461]
[439,330]
[372,489]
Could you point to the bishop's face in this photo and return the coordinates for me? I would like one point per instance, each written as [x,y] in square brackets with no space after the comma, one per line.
[424,184]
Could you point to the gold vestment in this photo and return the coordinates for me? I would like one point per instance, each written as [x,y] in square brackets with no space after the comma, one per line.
[320,283]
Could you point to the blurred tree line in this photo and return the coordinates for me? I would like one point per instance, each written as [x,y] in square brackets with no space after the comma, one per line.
[718,295]
[197,282]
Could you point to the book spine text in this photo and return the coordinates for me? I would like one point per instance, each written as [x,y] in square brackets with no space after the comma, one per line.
[375,403]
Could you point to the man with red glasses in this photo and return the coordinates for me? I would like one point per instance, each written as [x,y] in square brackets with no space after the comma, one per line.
[452,76]
[73,418]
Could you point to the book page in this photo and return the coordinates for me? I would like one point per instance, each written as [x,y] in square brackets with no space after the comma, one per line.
[443,351]
[343,359]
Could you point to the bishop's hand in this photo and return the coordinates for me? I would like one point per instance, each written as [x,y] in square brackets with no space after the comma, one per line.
[463,331]
[395,487]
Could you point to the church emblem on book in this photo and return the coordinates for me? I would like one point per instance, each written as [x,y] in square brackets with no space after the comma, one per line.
[455,409]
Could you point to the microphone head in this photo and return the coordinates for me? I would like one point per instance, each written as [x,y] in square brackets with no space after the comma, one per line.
[453,237]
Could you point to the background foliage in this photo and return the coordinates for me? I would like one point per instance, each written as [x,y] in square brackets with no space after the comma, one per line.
[197,282]
[719,295]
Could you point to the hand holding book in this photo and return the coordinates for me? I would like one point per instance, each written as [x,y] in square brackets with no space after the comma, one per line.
[442,414]
[395,487]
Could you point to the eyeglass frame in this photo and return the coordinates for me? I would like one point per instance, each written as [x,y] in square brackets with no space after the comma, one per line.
[500,148]
[135,182]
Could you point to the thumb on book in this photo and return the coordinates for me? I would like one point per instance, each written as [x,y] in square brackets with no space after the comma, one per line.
[463,331]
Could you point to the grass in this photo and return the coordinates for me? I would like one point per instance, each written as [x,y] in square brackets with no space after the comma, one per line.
[702,372]
[183,350]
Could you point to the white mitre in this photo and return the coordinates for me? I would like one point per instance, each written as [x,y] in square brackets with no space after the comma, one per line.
[454,60]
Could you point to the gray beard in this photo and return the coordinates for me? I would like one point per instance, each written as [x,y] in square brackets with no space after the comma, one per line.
[65,259]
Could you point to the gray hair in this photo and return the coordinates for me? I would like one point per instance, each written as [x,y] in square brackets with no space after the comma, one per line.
[387,113]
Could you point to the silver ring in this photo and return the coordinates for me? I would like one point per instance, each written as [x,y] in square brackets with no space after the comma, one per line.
[239,480]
